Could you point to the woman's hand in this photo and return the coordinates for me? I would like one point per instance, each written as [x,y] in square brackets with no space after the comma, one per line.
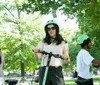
[66,58]
[67,61]
[36,50]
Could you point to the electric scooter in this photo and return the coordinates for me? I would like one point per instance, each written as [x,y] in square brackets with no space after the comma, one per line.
[48,61]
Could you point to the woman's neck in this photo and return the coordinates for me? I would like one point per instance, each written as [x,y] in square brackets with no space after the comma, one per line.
[52,39]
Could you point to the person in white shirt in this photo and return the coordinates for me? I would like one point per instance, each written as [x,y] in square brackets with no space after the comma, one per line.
[85,61]
[53,42]
[1,68]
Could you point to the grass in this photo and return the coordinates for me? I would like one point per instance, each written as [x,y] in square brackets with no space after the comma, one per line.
[72,81]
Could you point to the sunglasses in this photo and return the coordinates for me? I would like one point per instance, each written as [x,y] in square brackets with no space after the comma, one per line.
[50,28]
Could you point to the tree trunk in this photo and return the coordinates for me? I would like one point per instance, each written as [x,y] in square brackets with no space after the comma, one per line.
[22,69]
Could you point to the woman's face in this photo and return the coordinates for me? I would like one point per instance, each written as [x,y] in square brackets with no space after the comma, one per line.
[51,30]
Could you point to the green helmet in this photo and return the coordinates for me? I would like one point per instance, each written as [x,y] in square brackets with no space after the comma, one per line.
[51,22]
[81,38]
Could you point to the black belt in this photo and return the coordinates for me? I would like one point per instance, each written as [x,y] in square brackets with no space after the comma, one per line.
[53,68]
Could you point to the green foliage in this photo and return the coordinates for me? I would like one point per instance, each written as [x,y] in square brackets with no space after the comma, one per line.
[26,28]
[65,32]
[43,6]
[86,11]
[24,32]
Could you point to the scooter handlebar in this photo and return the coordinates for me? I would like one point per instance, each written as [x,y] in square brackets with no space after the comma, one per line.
[51,54]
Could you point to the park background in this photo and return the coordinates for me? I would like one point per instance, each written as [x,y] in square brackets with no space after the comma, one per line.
[22,26]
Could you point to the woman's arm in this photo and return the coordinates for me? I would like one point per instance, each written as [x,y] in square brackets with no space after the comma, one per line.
[65,55]
[36,55]
[36,49]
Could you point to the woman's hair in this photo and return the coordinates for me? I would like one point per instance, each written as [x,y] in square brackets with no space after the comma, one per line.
[58,39]
[85,43]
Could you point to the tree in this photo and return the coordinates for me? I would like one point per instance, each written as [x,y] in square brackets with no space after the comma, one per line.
[86,11]
[23,33]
